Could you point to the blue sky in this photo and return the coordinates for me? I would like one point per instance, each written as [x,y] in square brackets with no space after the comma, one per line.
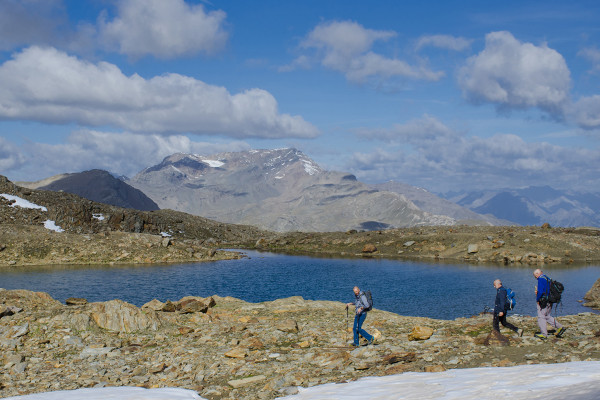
[445,95]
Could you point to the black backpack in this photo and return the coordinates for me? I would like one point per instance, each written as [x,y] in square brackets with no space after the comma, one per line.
[369,300]
[556,289]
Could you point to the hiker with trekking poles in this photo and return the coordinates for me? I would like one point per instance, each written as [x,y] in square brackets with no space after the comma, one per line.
[501,306]
[362,306]
[548,292]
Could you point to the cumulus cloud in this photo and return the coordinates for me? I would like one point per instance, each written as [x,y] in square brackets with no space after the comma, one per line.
[516,75]
[49,86]
[444,42]
[346,47]
[123,153]
[427,153]
[586,112]
[163,28]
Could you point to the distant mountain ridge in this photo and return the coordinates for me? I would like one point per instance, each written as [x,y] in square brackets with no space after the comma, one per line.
[432,203]
[96,185]
[534,205]
[280,190]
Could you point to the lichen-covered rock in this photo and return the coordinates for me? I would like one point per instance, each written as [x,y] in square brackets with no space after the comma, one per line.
[119,316]
[420,333]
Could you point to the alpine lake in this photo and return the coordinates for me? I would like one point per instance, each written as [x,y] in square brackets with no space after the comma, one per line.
[434,290]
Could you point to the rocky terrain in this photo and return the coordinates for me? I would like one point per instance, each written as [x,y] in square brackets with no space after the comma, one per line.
[96,233]
[99,233]
[506,245]
[225,348]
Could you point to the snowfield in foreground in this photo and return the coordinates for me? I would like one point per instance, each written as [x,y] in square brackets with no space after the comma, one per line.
[573,381]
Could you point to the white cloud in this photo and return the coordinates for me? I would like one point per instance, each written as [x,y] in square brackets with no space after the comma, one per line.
[512,74]
[123,153]
[416,131]
[49,86]
[444,42]
[346,47]
[586,112]
[163,28]
[10,156]
[427,153]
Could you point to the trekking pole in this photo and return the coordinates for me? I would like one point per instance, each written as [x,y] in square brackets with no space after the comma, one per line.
[346,334]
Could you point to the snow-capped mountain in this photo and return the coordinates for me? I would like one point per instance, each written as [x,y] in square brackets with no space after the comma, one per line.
[280,190]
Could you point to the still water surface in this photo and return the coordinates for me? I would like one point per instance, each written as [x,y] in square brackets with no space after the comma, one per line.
[444,291]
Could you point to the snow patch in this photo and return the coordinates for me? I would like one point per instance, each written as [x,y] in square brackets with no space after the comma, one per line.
[177,169]
[310,168]
[51,225]
[214,163]
[99,217]
[114,393]
[574,380]
[165,234]
[20,202]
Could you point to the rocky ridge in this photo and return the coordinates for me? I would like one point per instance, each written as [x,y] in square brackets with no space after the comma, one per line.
[99,233]
[225,348]
[97,185]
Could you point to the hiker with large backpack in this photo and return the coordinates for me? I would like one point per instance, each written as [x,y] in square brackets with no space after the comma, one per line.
[501,307]
[547,293]
[362,305]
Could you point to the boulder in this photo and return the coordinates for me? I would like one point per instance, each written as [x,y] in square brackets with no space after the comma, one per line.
[8,310]
[169,306]
[287,325]
[75,301]
[154,304]
[237,383]
[119,316]
[191,306]
[592,297]
[238,352]
[369,248]
[472,248]
[420,333]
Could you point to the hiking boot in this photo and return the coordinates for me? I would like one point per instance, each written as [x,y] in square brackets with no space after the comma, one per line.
[370,341]
[520,332]
[540,336]
[561,332]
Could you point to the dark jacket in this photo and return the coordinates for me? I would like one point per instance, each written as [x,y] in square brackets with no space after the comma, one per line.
[500,304]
